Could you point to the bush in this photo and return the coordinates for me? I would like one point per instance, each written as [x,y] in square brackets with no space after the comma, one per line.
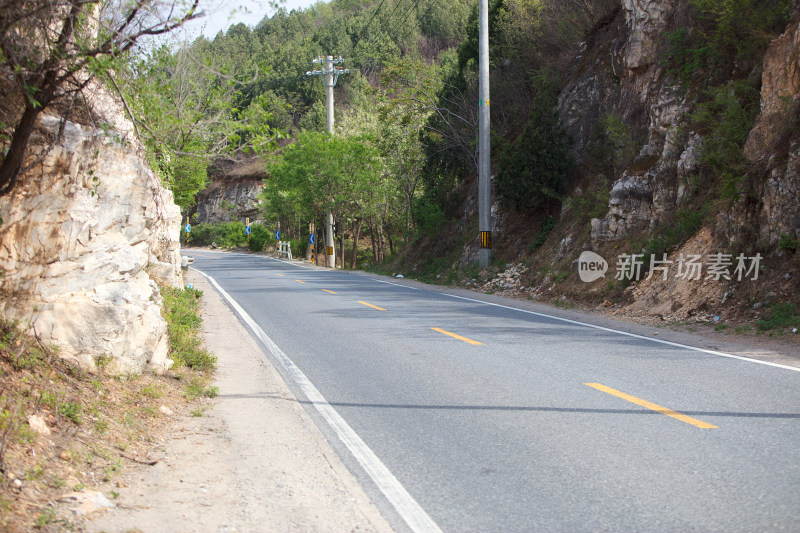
[428,217]
[259,236]
[533,170]
[544,230]
[725,120]
[224,234]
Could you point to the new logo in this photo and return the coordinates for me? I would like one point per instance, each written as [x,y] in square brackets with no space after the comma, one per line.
[591,266]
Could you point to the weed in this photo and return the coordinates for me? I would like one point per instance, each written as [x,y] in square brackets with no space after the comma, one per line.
[720,327]
[101,426]
[198,387]
[742,329]
[152,391]
[780,315]
[71,411]
[198,412]
[111,470]
[45,517]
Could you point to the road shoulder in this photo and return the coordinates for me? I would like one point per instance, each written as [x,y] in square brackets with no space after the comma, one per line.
[254,461]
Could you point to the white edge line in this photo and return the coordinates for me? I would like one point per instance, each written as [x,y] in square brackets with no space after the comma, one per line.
[407,507]
[610,330]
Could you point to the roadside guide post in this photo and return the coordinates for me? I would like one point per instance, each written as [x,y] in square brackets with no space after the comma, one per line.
[247,229]
[188,230]
[310,247]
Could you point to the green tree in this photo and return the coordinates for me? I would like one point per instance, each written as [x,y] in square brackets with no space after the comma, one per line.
[321,173]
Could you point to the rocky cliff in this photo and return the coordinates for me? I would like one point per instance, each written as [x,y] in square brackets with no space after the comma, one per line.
[233,191]
[621,72]
[85,237]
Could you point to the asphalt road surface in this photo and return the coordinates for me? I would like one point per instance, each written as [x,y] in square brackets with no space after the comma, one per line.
[462,415]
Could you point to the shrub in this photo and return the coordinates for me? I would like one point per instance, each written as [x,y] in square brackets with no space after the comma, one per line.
[787,243]
[224,234]
[544,230]
[259,236]
[533,170]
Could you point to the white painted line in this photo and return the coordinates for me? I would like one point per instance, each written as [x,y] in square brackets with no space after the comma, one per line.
[407,507]
[602,328]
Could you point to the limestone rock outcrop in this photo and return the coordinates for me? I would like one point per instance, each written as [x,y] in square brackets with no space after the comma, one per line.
[233,193]
[619,71]
[86,234]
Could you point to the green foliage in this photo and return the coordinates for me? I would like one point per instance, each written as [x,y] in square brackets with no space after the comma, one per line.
[685,223]
[544,230]
[198,387]
[787,243]
[592,202]
[725,120]
[534,169]
[724,37]
[346,168]
[181,310]
[223,234]
[779,316]
[428,217]
[259,237]
[612,146]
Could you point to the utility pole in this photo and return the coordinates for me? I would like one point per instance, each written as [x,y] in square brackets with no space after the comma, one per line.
[484,128]
[331,71]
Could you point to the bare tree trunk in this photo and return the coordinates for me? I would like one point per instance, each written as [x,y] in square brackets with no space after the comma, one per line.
[372,238]
[341,248]
[12,163]
[356,235]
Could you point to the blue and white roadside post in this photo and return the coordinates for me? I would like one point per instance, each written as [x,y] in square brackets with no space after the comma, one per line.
[188,230]
[311,238]
[277,235]
[247,230]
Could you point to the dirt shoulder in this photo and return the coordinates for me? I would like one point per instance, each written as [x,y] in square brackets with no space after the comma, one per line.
[254,460]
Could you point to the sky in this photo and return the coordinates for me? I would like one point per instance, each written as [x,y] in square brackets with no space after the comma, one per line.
[222,14]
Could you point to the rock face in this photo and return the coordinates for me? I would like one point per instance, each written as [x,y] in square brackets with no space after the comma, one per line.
[774,142]
[233,192]
[86,235]
[619,72]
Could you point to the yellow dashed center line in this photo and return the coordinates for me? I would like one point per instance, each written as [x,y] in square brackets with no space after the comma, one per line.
[652,406]
[372,306]
[459,337]
[298,281]
[326,290]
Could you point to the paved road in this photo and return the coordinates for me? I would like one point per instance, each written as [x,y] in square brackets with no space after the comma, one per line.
[498,419]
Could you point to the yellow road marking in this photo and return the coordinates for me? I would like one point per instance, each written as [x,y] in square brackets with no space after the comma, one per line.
[653,407]
[281,275]
[372,306]
[298,281]
[459,337]
[326,290]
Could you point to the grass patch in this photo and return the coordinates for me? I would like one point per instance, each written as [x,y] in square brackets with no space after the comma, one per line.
[181,310]
[779,316]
